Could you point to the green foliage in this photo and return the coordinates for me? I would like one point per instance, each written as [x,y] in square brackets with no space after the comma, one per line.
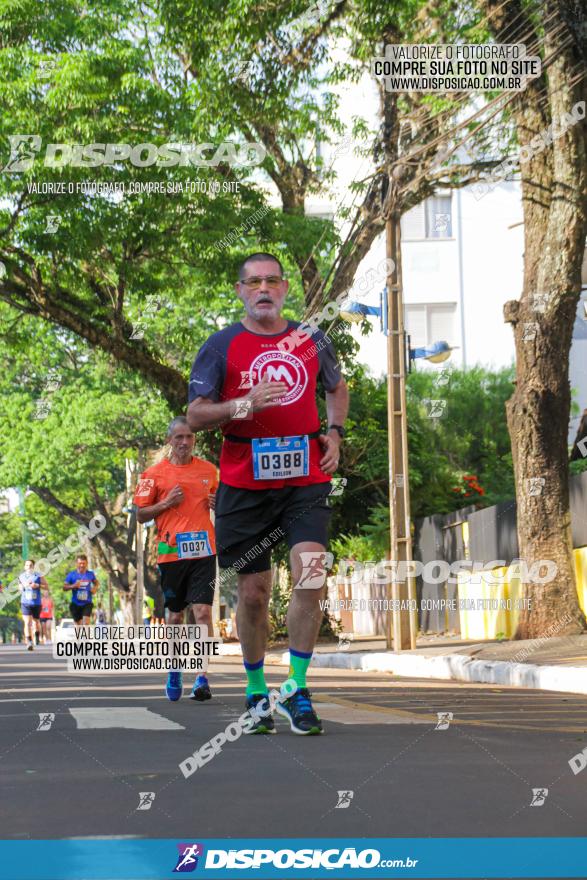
[470,438]
[578,467]
[10,552]
[278,607]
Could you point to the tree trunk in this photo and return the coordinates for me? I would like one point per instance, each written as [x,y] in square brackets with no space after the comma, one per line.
[553,195]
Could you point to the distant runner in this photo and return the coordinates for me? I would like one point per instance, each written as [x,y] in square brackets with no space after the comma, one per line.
[178,493]
[30,601]
[46,616]
[83,585]
[148,609]
[258,379]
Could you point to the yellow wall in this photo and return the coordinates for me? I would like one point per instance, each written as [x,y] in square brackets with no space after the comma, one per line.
[503,584]
[581,574]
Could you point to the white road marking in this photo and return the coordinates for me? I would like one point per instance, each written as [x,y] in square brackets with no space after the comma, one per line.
[130,717]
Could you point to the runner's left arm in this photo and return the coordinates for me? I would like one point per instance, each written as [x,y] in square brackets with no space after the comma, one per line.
[337,401]
[337,408]
[213,490]
[337,405]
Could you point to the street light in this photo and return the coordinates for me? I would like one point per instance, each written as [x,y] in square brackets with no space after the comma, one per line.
[436,352]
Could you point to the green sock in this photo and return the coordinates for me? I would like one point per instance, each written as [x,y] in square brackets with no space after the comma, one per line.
[298,665]
[256,683]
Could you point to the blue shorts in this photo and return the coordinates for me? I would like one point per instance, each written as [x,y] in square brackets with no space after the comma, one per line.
[31,611]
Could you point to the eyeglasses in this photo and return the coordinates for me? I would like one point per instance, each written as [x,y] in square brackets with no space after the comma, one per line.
[255,281]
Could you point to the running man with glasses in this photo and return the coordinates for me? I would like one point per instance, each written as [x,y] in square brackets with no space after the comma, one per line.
[275,470]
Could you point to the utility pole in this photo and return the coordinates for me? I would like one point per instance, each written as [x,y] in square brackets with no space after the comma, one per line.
[140,585]
[402,625]
[110,602]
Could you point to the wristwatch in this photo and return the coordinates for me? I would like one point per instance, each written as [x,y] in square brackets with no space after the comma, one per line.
[338,428]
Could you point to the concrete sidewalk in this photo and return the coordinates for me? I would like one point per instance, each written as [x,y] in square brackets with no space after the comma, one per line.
[554,664]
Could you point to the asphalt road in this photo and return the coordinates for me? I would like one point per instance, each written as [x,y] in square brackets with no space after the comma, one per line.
[82,777]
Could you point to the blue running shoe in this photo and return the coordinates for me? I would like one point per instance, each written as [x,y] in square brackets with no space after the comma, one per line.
[261,714]
[174,686]
[201,690]
[300,713]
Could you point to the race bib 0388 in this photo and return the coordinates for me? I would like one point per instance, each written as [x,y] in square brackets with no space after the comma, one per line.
[280,458]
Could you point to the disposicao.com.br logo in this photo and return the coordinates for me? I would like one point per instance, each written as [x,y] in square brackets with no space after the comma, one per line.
[325,859]
[26,148]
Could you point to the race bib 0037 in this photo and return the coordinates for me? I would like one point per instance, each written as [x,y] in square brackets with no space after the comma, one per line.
[280,458]
[193,545]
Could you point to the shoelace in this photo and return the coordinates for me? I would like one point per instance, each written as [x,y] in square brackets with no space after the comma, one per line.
[175,679]
[303,703]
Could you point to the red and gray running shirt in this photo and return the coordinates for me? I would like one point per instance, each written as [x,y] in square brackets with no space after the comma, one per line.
[233,360]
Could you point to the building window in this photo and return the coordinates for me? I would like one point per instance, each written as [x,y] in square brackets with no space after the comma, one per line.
[432,218]
[430,322]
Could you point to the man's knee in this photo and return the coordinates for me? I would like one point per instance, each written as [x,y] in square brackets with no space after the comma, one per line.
[203,614]
[253,593]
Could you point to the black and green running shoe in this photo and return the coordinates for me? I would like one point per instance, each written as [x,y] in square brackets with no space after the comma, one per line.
[260,711]
[299,711]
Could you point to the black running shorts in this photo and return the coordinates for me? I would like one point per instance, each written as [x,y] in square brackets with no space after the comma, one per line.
[79,611]
[188,582]
[249,522]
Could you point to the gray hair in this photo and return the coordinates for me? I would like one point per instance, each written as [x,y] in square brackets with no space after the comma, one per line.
[174,423]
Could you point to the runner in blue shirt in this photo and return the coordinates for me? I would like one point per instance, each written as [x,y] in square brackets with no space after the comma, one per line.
[83,584]
[30,600]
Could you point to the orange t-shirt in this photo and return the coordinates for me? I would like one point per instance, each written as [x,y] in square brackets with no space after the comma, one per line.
[197,479]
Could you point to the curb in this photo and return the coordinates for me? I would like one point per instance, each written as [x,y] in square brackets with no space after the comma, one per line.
[459,667]
[447,667]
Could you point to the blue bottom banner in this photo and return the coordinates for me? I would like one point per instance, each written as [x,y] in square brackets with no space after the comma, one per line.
[367,858]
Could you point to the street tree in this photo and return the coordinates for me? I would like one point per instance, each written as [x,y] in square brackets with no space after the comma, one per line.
[553,172]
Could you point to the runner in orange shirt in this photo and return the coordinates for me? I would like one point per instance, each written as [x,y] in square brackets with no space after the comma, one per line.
[178,493]
[46,616]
